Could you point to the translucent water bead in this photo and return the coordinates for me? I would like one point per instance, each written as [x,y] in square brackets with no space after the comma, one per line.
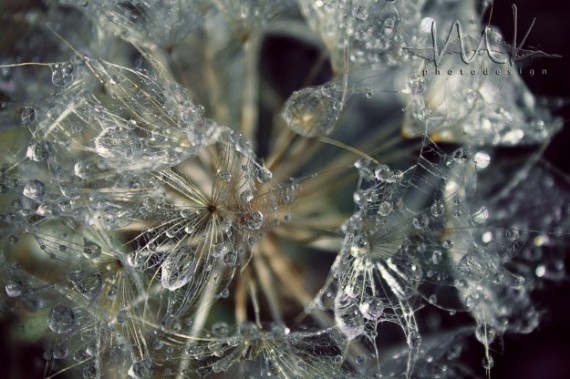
[313,111]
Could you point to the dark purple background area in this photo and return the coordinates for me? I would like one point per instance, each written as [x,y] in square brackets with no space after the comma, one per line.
[546,352]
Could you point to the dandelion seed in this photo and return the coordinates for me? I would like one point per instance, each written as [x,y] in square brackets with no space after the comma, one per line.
[190,209]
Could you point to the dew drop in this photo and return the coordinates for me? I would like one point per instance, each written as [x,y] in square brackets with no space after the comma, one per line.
[90,371]
[417,87]
[385,208]
[62,74]
[61,320]
[230,258]
[83,169]
[311,113]
[513,137]
[383,173]
[88,284]
[255,221]
[421,222]
[141,369]
[13,288]
[28,116]
[220,329]
[481,215]
[488,362]
[485,334]
[437,208]
[360,13]
[122,316]
[482,160]
[91,249]
[39,151]
[349,319]
[539,271]
[460,155]
[264,175]
[178,267]
[372,308]
[60,351]
[426,24]
[246,196]
[512,234]
[360,246]
[34,189]
[112,293]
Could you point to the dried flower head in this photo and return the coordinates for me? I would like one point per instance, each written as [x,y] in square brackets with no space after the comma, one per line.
[239,188]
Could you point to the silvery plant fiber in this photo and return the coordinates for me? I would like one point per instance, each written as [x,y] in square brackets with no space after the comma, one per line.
[270,189]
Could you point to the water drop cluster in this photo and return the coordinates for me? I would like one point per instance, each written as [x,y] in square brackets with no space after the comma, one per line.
[266,189]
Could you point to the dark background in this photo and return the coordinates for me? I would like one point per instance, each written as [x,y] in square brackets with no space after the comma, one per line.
[546,352]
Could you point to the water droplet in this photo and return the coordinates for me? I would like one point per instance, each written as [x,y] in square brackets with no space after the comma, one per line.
[248,330]
[220,329]
[246,196]
[383,173]
[513,137]
[62,74]
[471,266]
[512,234]
[417,87]
[389,23]
[481,215]
[360,246]
[34,189]
[61,320]
[414,340]
[385,208]
[437,208]
[311,113]
[488,362]
[28,116]
[13,288]
[264,175]
[487,237]
[39,151]
[90,371]
[482,160]
[112,293]
[460,155]
[372,308]
[178,267]
[60,351]
[89,284]
[83,169]
[122,316]
[485,334]
[437,257]
[426,24]
[348,316]
[225,176]
[141,369]
[255,220]
[360,13]
[91,249]
[230,258]
[421,222]
[172,231]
